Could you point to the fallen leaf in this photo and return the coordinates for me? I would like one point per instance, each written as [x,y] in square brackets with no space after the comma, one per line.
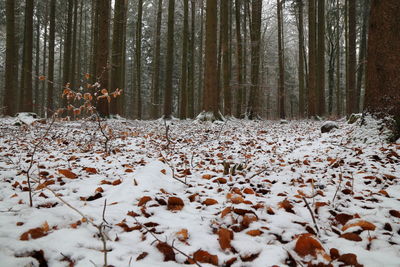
[248,191]
[395,213]
[68,174]
[306,244]
[205,257]
[225,237]
[45,184]
[175,203]
[254,232]
[210,202]
[207,176]
[144,200]
[142,256]
[117,182]
[363,224]
[167,250]
[349,259]
[351,237]
[182,235]
[91,170]
[225,212]
[285,204]
[343,218]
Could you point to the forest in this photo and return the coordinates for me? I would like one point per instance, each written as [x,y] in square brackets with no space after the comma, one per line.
[199,132]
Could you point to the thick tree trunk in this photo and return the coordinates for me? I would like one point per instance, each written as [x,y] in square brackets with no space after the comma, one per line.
[351,100]
[11,67]
[312,76]
[169,61]
[184,72]
[239,61]
[138,59]
[225,58]
[155,87]
[26,101]
[321,58]
[301,58]
[281,79]
[191,66]
[50,75]
[210,97]
[383,72]
[253,110]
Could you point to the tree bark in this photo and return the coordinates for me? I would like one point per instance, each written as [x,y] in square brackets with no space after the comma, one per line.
[138,59]
[383,72]
[281,79]
[156,65]
[225,58]
[184,71]
[50,75]
[301,58]
[239,62]
[312,75]
[210,97]
[169,61]
[11,67]
[321,58]
[351,100]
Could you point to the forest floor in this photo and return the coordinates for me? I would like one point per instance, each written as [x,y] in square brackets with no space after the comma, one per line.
[238,193]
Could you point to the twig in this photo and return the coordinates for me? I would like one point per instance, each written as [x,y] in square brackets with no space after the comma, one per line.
[102,132]
[28,178]
[312,214]
[172,246]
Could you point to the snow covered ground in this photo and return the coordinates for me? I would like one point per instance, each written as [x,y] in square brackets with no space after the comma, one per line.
[239,193]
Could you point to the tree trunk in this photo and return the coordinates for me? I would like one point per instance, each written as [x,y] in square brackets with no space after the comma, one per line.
[138,59]
[11,65]
[362,55]
[156,65]
[338,89]
[225,57]
[210,97]
[191,70]
[301,58]
[281,79]
[74,46]
[312,75]
[50,75]
[383,72]
[321,58]
[37,64]
[351,100]
[239,63]
[169,61]
[184,72]
[117,55]
[253,110]
[26,101]
[103,14]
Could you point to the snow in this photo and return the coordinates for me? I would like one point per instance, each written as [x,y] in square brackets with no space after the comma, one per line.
[280,162]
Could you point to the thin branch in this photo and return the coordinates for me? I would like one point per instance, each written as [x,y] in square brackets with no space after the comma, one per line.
[312,215]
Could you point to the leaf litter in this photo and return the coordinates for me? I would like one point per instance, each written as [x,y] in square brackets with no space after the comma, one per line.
[239,193]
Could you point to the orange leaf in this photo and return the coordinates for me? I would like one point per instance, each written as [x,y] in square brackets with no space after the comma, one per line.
[45,184]
[33,233]
[68,174]
[210,202]
[248,191]
[225,212]
[163,171]
[285,204]
[225,237]
[117,182]
[351,237]
[306,244]
[254,232]
[205,257]
[42,78]
[363,224]
[175,203]
[144,200]
[349,259]
[182,235]
[207,176]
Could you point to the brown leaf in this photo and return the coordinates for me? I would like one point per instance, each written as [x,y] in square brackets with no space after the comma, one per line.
[248,191]
[220,181]
[167,250]
[163,171]
[351,237]
[142,256]
[306,244]
[144,200]
[33,233]
[334,252]
[225,237]
[225,212]
[363,224]
[349,259]
[343,218]
[45,184]
[175,203]
[285,204]
[209,202]
[207,176]
[117,182]
[68,174]
[91,170]
[395,213]
[205,257]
